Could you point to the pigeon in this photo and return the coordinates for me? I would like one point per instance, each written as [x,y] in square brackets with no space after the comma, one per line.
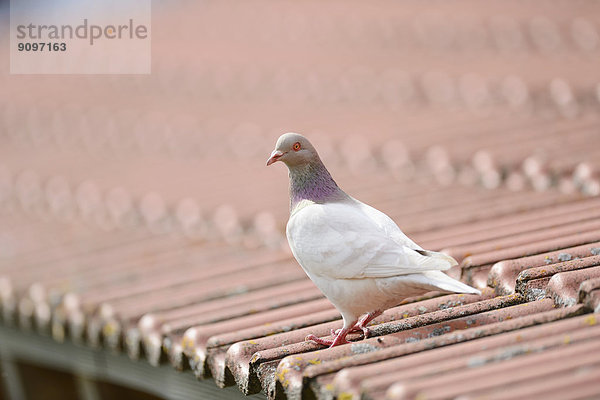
[355,254]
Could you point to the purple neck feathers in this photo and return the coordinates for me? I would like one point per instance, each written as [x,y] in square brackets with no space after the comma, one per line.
[313,182]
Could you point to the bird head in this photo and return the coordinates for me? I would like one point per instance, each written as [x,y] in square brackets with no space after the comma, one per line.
[293,149]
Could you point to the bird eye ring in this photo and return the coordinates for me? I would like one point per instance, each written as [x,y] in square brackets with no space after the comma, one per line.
[296,146]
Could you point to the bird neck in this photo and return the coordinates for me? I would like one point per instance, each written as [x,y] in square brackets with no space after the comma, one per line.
[312,182]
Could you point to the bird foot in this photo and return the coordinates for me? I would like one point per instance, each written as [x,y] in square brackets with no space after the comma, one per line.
[366,331]
[356,328]
[362,323]
[337,340]
[335,332]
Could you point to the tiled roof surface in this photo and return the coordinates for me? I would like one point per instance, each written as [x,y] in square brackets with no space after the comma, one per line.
[240,316]
[146,223]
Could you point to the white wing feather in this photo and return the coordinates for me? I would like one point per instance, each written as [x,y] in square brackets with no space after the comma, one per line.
[351,240]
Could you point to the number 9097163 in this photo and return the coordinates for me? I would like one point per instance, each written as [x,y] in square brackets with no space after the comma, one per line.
[42,46]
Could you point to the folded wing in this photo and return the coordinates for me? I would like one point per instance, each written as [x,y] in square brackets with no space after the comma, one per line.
[346,241]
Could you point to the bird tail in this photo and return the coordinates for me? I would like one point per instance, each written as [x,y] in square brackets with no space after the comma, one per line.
[442,282]
[439,256]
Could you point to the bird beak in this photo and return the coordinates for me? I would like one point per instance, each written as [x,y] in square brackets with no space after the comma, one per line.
[275,156]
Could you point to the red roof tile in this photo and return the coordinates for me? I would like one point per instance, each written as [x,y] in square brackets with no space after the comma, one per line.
[247,326]
[589,294]
[146,223]
[474,353]
[494,377]
[503,274]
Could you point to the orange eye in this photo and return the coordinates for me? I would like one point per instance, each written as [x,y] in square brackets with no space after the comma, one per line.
[296,146]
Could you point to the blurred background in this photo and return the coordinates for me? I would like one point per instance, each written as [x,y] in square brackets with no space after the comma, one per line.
[397,96]
[457,92]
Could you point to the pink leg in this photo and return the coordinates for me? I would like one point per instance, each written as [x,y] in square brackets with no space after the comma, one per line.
[361,325]
[339,336]
[364,320]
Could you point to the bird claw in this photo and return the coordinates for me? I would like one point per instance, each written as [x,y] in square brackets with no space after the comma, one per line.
[361,325]
[339,335]
[366,332]
[356,328]
[326,342]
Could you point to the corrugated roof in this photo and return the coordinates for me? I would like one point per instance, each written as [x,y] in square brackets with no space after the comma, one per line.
[146,224]
[239,316]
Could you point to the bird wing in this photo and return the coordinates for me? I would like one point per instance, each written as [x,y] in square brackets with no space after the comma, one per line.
[388,225]
[391,229]
[345,241]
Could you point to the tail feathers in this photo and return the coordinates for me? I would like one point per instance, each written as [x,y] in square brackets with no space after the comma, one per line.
[439,256]
[441,281]
[429,260]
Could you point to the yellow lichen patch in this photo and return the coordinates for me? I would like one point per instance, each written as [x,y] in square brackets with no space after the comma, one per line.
[345,396]
[591,320]
[186,343]
[252,341]
[329,387]
[567,339]
[314,361]
[282,378]
[109,329]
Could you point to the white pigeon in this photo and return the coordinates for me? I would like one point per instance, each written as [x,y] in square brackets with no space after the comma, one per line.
[356,255]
